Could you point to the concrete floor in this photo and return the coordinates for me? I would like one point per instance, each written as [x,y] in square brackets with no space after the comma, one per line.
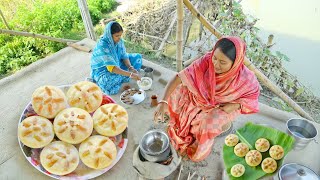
[69,66]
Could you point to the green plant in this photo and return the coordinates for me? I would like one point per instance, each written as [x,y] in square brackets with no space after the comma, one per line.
[17,54]
[282,56]
[102,5]
[98,7]
[55,18]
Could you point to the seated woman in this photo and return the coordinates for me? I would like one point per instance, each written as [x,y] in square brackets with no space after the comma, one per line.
[209,93]
[111,65]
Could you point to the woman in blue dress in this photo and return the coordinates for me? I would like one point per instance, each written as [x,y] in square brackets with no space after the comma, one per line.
[111,65]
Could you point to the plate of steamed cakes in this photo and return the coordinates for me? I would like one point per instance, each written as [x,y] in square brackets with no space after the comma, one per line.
[73,131]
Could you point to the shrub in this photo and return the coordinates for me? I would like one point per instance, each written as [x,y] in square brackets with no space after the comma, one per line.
[55,18]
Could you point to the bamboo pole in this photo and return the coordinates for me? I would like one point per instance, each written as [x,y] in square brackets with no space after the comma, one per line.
[247,62]
[80,47]
[270,43]
[202,19]
[69,42]
[179,34]
[4,20]
[20,33]
[163,43]
[83,6]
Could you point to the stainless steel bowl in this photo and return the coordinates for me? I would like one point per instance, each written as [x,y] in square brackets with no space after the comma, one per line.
[154,146]
[302,130]
[294,171]
[156,158]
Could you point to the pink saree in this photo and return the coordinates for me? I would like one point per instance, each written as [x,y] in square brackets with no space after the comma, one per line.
[195,119]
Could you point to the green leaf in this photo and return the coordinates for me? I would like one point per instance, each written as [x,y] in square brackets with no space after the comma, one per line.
[286,58]
[237,12]
[290,83]
[268,52]
[223,14]
[278,53]
[236,5]
[299,92]
[249,134]
[10,51]
[282,56]
[255,29]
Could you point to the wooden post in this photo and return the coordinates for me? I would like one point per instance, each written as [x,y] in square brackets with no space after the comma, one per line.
[275,89]
[80,47]
[83,6]
[270,39]
[179,54]
[4,20]
[20,33]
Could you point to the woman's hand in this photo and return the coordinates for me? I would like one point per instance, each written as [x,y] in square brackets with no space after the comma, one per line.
[229,107]
[161,112]
[135,71]
[135,76]
[132,69]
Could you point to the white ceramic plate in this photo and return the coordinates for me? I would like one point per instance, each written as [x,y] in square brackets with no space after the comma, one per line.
[130,98]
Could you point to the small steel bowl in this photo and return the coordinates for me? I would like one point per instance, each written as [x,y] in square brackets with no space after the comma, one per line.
[154,146]
[302,130]
[157,158]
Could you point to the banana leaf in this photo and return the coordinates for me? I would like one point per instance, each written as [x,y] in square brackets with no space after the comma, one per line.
[249,134]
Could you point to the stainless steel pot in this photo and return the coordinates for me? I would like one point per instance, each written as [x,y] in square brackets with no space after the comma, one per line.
[295,171]
[302,130]
[156,158]
[147,72]
[154,146]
